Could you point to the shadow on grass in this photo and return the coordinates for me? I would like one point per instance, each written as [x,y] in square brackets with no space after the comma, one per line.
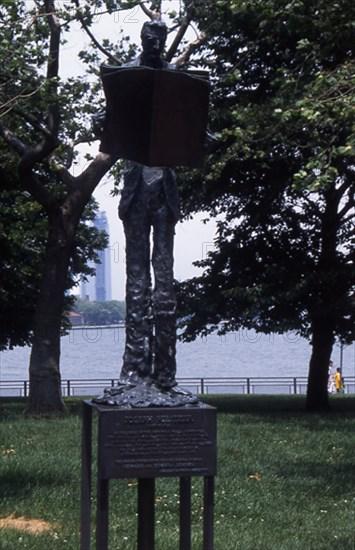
[270,404]
[14,407]
[320,471]
[26,484]
[11,407]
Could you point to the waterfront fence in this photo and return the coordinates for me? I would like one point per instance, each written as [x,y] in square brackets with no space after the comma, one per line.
[296,385]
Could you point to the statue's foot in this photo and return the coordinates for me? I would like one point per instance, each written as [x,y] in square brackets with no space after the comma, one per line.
[183,395]
[137,381]
[178,390]
[134,378]
[129,394]
[117,390]
[177,394]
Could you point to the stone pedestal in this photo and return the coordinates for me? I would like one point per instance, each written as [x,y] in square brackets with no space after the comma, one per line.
[146,443]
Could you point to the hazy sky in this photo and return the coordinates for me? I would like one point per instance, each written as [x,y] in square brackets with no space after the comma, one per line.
[193,238]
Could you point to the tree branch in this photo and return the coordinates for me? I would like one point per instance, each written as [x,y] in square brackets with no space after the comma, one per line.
[39,192]
[87,181]
[33,121]
[53,67]
[179,36]
[63,170]
[8,104]
[184,58]
[40,151]
[108,54]
[12,140]
[149,13]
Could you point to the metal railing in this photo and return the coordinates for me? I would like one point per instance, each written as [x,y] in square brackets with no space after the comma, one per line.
[240,385]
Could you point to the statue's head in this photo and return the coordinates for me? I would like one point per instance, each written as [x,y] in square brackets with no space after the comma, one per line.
[153,35]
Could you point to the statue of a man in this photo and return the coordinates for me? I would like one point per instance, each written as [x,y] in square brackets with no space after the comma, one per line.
[149,209]
[149,204]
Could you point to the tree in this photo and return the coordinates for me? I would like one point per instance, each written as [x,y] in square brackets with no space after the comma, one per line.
[43,119]
[31,125]
[23,227]
[280,180]
[21,243]
[100,313]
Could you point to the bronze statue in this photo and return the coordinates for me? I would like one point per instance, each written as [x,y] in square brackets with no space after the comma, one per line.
[149,205]
[150,202]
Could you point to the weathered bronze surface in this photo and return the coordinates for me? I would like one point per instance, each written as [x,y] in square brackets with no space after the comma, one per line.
[138,395]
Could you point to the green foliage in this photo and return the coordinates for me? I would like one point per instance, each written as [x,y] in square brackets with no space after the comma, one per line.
[26,92]
[22,229]
[110,312]
[26,97]
[280,179]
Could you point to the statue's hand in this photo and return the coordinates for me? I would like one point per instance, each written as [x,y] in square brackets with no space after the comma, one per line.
[98,123]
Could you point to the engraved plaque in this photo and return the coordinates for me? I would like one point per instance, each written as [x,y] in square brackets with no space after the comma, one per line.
[164,442]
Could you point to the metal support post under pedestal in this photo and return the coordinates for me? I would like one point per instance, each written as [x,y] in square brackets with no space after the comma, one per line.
[185,513]
[146,513]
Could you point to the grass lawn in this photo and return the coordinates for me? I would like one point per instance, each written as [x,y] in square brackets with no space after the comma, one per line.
[285,480]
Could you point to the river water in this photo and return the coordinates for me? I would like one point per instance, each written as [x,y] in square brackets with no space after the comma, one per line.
[97,353]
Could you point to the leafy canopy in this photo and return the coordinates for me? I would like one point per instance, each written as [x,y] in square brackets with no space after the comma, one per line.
[280,179]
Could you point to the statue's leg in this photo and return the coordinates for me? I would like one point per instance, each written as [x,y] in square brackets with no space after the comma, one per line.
[137,358]
[164,302]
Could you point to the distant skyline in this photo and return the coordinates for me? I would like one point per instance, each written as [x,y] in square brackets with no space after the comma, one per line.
[98,286]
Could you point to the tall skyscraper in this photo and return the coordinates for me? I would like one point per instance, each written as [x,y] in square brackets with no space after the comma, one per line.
[98,287]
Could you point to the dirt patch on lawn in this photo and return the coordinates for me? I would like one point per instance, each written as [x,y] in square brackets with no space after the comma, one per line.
[34,526]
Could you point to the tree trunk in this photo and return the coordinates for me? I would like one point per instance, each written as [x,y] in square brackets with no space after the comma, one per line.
[325,308]
[45,382]
[322,346]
